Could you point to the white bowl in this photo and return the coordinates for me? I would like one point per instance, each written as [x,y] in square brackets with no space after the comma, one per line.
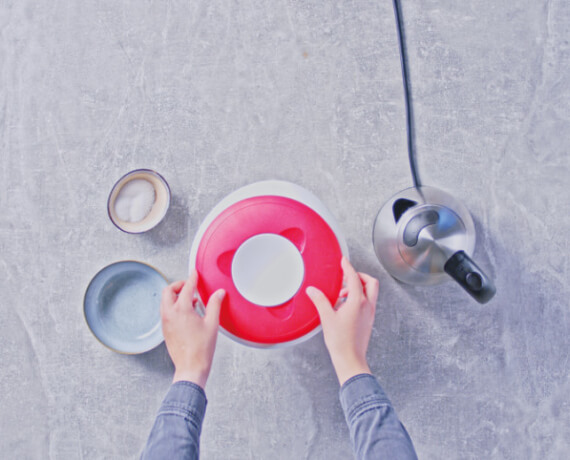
[158,209]
[269,188]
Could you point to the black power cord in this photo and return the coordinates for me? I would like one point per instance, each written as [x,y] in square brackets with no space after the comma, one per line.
[410,127]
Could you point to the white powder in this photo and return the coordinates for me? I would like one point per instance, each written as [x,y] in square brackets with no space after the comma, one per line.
[135,200]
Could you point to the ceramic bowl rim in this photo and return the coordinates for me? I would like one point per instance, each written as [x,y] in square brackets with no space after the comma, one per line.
[106,267]
[130,173]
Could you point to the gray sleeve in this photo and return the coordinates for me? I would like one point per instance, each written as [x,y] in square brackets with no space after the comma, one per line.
[375,430]
[176,430]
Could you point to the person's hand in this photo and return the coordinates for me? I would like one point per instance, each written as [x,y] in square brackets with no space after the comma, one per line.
[347,328]
[190,338]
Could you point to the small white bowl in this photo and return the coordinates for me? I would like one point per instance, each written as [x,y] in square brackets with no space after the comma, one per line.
[159,207]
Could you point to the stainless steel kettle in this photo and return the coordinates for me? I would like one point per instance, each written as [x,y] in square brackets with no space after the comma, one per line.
[423,235]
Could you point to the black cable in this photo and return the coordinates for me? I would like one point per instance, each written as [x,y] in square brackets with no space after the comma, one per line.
[410,127]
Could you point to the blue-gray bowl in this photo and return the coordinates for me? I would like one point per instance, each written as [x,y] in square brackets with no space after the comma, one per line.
[122,306]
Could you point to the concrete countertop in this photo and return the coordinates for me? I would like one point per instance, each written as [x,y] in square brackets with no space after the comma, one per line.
[215,95]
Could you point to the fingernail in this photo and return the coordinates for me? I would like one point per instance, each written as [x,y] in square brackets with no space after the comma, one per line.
[220,294]
[311,291]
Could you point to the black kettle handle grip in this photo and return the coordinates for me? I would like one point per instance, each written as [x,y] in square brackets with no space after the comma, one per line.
[470,277]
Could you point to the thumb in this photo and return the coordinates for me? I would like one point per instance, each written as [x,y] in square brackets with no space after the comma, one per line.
[322,304]
[214,306]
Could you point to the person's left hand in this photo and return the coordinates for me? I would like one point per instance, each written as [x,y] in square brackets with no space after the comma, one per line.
[190,338]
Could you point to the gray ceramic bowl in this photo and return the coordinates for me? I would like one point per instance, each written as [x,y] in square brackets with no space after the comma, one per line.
[122,306]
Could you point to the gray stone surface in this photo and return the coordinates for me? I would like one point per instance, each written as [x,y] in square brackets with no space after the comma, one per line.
[215,95]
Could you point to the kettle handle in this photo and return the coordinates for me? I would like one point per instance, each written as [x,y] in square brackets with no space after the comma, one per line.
[470,277]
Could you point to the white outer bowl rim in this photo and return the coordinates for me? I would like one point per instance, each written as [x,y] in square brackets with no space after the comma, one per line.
[269,188]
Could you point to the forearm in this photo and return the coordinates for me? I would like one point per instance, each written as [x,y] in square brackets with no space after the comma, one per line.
[176,430]
[375,430]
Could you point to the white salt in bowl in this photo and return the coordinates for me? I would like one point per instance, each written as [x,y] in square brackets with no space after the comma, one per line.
[138,201]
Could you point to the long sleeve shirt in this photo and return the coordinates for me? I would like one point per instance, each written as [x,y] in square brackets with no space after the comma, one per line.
[375,430]
[176,430]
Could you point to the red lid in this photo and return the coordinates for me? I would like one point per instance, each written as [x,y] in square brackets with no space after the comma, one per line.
[312,236]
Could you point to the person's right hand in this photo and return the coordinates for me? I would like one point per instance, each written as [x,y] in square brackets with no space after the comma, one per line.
[347,328]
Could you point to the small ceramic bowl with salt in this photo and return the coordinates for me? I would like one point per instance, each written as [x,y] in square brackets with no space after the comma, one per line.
[138,201]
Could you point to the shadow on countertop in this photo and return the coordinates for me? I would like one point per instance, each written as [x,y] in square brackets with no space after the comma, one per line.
[156,361]
[174,227]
